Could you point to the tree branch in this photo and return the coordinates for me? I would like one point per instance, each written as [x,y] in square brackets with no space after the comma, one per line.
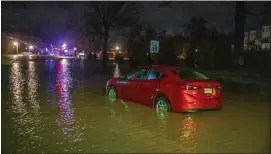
[98,10]
[265,10]
[116,11]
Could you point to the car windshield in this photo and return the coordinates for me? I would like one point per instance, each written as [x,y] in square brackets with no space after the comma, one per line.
[190,75]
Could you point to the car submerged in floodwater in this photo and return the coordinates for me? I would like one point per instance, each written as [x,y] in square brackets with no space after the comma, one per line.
[167,88]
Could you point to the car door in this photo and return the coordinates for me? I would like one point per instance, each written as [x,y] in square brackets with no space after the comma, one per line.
[149,86]
[134,82]
[123,87]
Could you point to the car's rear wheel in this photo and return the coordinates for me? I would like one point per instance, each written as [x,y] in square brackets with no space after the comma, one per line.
[162,104]
[112,94]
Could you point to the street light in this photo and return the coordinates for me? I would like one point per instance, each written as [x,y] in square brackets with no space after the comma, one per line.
[30,47]
[52,48]
[117,47]
[16,44]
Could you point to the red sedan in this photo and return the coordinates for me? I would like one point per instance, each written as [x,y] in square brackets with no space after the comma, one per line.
[167,88]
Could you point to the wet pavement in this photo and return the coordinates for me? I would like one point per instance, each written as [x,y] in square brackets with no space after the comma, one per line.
[55,106]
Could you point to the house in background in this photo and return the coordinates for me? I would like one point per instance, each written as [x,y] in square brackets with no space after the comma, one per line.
[266,40]
[258,38]
[252,40]
[245,41]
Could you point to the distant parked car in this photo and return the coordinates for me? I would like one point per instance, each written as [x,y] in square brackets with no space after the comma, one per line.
[167,88]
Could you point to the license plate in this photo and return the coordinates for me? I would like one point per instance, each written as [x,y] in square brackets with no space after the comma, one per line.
[208,90]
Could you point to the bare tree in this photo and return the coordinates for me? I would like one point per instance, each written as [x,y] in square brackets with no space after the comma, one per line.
[242,10]
[112,15]
[85,25]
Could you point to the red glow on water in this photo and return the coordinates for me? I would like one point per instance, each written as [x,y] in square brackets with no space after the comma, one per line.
[59,86]
[64,84]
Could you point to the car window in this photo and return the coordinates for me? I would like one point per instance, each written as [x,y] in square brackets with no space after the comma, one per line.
[190,75]
[154,74]
[138,75]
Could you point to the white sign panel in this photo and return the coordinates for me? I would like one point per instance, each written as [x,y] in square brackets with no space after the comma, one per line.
[154,46]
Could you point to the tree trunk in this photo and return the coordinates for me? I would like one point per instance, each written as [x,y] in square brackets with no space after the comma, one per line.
[106,35]
[240,19]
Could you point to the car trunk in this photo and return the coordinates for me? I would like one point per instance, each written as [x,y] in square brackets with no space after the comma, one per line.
[204,89]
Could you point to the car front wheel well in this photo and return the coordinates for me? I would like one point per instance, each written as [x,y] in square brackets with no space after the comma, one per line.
[158,96]
[111,86]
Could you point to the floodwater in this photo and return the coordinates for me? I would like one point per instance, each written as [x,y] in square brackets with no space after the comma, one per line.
[56,106]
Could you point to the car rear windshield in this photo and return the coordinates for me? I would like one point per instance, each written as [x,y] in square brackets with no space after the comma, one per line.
[190,75]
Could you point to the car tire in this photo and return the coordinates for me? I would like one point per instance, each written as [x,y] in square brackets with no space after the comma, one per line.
[162,104]
[112,94]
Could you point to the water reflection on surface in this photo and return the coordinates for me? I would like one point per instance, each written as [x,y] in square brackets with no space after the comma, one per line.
[73,119]
[188,134]
[152,128]
[27,121]
[16,88]
[33,85]
[66,120]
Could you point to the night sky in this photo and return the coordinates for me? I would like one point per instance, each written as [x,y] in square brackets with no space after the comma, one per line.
[218,14]
[53,21]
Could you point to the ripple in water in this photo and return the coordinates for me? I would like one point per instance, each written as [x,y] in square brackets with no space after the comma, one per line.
[26,112]
[66,120]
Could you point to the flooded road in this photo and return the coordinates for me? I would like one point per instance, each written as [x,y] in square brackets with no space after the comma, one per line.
[55,106]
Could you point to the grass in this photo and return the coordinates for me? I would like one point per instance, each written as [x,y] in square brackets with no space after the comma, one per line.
[239,76]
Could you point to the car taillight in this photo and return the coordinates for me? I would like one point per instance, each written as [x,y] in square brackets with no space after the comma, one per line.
[190,87]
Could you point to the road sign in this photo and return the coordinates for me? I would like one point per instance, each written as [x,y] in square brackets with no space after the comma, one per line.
[154,46]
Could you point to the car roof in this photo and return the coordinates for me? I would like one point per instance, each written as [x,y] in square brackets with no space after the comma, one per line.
[164,67]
